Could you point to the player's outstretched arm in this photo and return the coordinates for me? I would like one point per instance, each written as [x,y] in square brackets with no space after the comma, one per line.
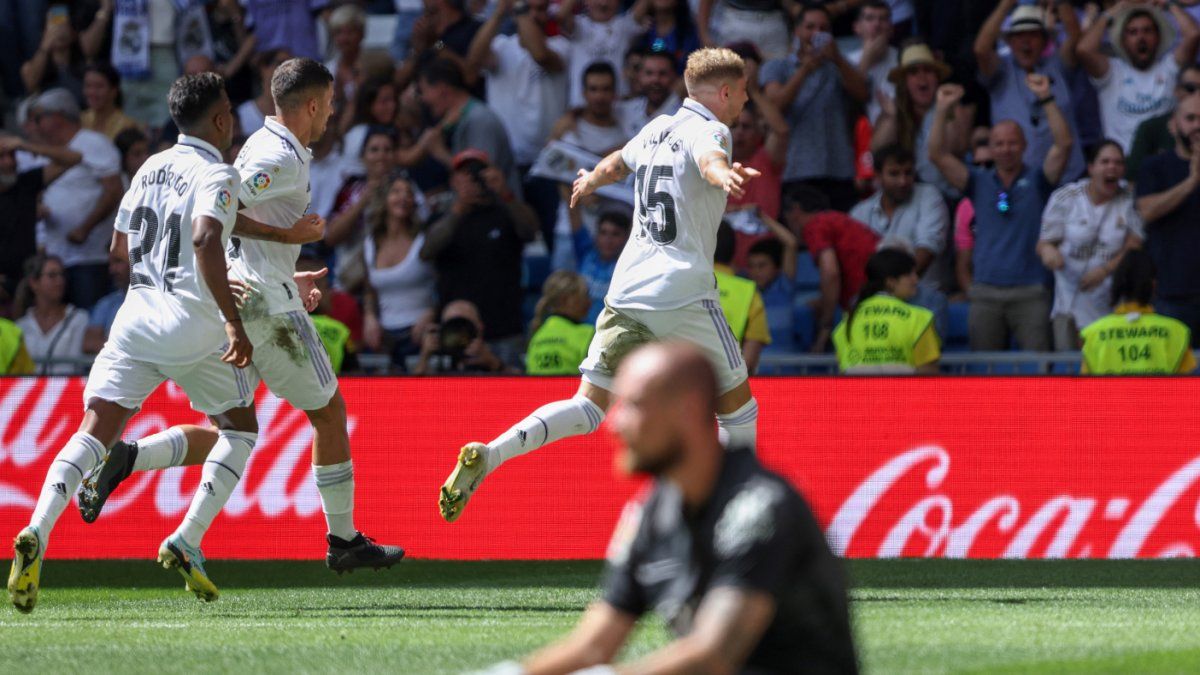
[729,624]
[308,229]
[611,169]
[210,258]
[601,633]
[732,178]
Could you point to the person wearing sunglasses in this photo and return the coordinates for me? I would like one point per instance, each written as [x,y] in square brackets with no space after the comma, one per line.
[1008,293]
[1154,136]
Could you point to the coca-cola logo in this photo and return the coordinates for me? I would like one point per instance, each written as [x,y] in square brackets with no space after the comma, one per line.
[932,526]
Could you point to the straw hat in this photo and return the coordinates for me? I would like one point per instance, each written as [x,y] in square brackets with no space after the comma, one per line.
[1025,19]
[917,55]
[1166,30]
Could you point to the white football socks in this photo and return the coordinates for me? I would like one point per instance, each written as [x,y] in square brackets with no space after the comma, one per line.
[738,430]
[219,476]
[552,422]
[335,482]
[162,450]
[79,456]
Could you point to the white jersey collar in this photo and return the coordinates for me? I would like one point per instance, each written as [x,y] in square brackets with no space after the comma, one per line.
[203,147]
[699,108]
[276,127]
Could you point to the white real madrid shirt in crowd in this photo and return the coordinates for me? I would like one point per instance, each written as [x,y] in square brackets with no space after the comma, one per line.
[528,99]
[1129,96]
[668,261]
[877,78]
[1091,235]
[592,42]
[632,114]
[169,315]
[71,198]
[275,190]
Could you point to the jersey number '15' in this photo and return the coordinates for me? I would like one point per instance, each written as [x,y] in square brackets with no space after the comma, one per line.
[658,224]
[145,234]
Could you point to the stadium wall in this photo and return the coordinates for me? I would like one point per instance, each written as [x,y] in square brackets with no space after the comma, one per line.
[944,467]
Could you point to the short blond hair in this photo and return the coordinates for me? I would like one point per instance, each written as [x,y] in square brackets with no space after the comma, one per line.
[713,66]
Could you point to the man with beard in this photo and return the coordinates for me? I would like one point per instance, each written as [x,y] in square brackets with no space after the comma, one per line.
[657,76]
[19,192]
[726,551]
[1004,76]
[1168,197]
[1138,83]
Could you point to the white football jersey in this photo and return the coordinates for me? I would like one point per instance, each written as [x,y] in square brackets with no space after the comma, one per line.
[275,191]
[169,315]
[668,261]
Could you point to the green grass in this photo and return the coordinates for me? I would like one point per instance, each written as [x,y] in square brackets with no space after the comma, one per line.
[431,617]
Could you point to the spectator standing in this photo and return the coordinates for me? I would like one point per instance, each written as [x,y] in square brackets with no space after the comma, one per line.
[1005,77]
[233,49]
[1154,135]
[59,60]
[82,202]
[560,330]
[252,113]
[347,28]
[884,334]
[772,268]
[289,25]
[840,247]
[1087,228]
[53,328]
[445,32]
[762,22]
[19,192]
[810,87]
[477,246]
[908,119]
[399,299]
[876,58]
[1133,339]
[964,217]
[741,302]
[375,107]
[152,42]
[527,88]
[1008,293]
[464,121]
[352,208]
[1136,85]
[102,96]
[1168,199]
[21,35]
[100,319]
[907,210]
[596,255]
[658,76]
[669,28]
[603,33]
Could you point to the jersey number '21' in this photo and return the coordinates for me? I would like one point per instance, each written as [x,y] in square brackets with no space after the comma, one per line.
[144,223]
[659,225]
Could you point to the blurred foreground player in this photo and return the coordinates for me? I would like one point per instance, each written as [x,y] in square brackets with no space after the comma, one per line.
[663,285]
[725,550]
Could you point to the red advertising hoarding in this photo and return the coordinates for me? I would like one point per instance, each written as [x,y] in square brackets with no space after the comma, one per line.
[953,467]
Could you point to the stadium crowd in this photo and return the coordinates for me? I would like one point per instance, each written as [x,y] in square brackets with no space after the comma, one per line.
[1010,153]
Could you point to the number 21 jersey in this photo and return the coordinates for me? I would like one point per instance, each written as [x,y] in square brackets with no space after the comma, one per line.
[169,316]
[668,261]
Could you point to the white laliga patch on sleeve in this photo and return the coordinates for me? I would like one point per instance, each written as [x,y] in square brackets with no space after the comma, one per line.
[748,518]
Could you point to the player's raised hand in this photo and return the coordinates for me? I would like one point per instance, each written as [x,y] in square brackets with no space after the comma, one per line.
[306,283]
[736,179]
[582,187]
[308,229]
[240,350]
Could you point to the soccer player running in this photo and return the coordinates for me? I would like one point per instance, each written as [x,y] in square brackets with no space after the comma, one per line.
[274,175]
[726,551]
[175,219]
[663,285]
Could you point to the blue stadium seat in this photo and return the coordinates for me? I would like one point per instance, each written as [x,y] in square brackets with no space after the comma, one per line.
[956,336]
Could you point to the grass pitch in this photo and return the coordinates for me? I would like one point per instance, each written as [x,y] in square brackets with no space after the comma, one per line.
[442,617]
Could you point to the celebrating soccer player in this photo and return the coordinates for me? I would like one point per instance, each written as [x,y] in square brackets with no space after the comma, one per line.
[663,285]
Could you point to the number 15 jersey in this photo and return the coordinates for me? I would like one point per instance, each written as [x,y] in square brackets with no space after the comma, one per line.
[169,316]
[668,261]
